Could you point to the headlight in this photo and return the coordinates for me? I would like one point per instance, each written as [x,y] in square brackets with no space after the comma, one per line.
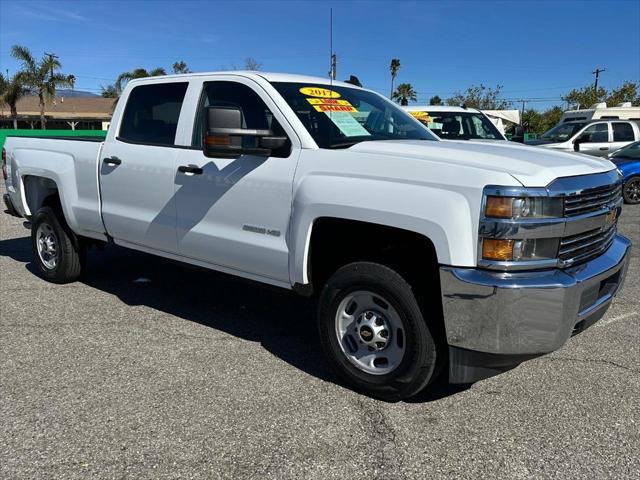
[523,207]
[511,250]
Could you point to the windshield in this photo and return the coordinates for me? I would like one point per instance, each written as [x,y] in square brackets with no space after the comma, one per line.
[459,125]
[339,117]
[630,151]
[563,132]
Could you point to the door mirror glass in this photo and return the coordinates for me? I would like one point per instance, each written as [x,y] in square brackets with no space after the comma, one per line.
[225,137]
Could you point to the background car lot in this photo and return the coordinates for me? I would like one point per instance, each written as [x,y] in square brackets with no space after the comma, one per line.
[149,369]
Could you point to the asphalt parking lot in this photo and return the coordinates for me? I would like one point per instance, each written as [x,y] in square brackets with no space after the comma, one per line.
[149,369]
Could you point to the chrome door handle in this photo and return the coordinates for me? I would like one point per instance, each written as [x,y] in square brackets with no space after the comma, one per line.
[112,161]
[190,169]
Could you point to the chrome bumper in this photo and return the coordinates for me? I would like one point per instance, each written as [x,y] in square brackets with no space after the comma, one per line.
[528,313]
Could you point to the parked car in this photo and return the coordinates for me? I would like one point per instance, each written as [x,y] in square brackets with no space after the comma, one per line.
[456,123]
[627,159]
[427,257]
[593,137]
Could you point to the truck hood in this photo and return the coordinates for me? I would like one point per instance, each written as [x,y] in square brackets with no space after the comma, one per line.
[531,166]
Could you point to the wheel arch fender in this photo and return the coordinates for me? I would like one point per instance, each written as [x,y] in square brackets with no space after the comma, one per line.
[444,217]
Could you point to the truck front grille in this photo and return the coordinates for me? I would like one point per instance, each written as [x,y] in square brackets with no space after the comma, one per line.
[592,200]
[583,246]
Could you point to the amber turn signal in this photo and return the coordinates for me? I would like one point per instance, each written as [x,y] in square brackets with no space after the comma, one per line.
[217,140]
[499,207]
[495,249]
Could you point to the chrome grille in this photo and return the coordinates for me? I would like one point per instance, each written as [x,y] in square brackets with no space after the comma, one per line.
[583,246]
[592,200]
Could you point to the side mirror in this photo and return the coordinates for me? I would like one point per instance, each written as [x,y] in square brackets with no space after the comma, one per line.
[518,134]
[584,138]
[224,136]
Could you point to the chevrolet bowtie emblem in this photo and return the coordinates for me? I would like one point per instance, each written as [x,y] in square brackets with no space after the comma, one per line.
[611,217]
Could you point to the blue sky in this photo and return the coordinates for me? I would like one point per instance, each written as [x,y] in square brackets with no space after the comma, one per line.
[537,50]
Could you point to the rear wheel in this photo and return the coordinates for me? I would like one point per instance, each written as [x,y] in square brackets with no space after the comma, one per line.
[373,332]
[58,253]
[631,190]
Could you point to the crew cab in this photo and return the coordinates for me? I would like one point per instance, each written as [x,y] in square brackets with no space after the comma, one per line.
[427,258]
[592,137]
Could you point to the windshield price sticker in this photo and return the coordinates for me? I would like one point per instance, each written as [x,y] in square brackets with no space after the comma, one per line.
[319,92]
[348,125]
[422,116]
[327,101]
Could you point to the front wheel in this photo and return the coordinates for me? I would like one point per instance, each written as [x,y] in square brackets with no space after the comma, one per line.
[58,253]
[373,332]
[631,190]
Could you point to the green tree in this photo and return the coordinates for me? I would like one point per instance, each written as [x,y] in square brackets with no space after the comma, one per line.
[12,90]
[532,121]
[42,77]
[551,118]
[480,97]
[585,97]
[125,77]
[180,67]
[404,93]
[394,68]
[627,92]
[435,100]
[109,91]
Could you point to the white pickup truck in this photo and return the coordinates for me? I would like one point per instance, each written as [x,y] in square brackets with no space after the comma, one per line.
[428,257]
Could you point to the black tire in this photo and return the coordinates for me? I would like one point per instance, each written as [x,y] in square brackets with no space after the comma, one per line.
[631,190]
[418,365]
[70,253]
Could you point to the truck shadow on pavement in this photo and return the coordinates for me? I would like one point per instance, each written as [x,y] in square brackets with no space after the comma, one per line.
[281,321]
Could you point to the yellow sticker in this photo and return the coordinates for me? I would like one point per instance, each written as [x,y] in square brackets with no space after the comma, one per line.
[334,108]
[319,92]
[328,101]
[422,116]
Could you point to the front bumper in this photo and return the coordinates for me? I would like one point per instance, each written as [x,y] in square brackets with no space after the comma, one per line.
[496,320]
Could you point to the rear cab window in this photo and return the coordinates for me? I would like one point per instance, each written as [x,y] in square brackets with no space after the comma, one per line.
[151,114]
[622,132]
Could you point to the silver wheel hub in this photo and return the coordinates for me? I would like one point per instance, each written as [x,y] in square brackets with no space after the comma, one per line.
[370,332]
[373,330]
[47,246]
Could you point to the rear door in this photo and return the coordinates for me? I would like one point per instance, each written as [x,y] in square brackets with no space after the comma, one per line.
[598,143]
[234,213]
[623,134]
[138,168]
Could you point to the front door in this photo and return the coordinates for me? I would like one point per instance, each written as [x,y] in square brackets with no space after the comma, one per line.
[598,140]
[234,213]
[138,169]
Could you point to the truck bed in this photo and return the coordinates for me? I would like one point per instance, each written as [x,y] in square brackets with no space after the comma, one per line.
[68,164]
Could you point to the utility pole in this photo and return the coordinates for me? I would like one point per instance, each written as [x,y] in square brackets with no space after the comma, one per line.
[522,114]
[334,60]
[597,73]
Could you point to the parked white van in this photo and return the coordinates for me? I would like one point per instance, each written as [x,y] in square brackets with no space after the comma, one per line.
[622,111]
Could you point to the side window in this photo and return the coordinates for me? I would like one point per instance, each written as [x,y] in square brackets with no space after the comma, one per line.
[255,113]
[622,132]
[599,133]
[152,112]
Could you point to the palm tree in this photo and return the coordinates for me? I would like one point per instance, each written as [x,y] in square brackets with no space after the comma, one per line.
[137,73]
[42,77]
[12,90]
[404,93]
[395,66]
